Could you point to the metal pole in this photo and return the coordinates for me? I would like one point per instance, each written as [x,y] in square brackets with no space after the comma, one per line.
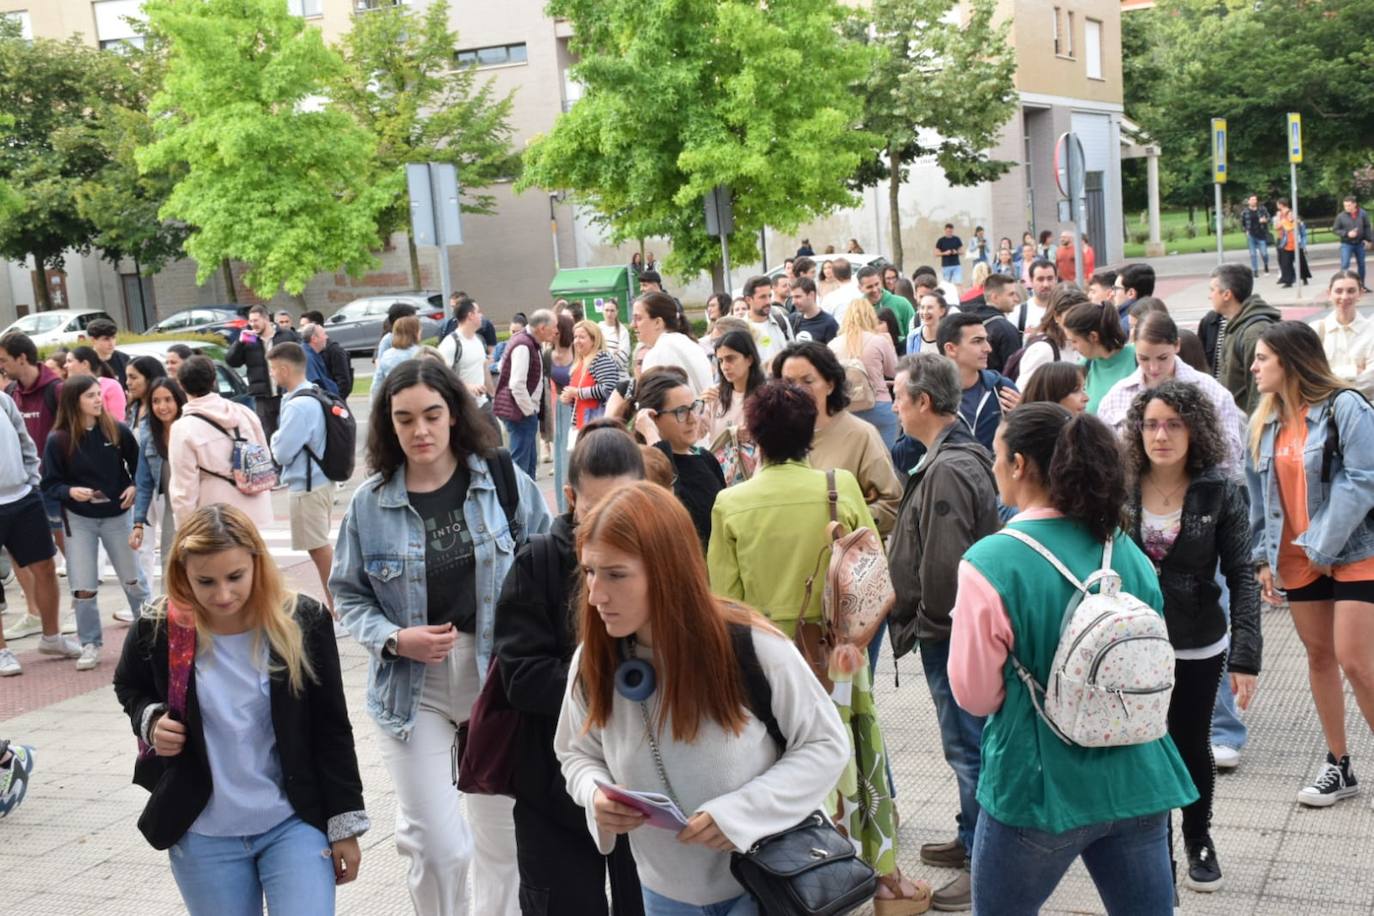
[445,281]
[725,260]
[143,300]
[1075,209]
[763,248]
[1221,257]
[553,229]
[1297,234]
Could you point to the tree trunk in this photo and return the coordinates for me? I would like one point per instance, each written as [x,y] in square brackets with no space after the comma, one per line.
[44,293]
[228,270]
[894,187]
[414,262]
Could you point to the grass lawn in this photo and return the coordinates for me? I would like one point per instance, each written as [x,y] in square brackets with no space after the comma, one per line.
[362,386]
[1177,220]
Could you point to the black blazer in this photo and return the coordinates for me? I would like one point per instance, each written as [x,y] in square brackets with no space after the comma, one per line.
[314,737]
[1214,529]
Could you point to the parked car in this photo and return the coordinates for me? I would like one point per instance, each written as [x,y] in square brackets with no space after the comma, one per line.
[59,326]
[357,327]
[229,383]
[224,320]
[855,261]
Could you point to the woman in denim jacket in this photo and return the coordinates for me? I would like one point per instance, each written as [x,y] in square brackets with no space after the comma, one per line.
[153,500]
[1310,517]
[423,551]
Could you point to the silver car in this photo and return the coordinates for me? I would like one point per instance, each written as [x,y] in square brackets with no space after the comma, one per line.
[59,326]
[357,327]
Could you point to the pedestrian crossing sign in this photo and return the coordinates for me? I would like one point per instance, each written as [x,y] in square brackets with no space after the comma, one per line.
[1294,137]
[1219,150]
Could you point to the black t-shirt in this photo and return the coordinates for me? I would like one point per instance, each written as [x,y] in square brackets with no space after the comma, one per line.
[822,329]
[699,479]
[951,245]
[487,331]
[450,563]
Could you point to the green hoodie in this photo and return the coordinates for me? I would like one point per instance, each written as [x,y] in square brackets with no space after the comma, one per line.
[1238,353]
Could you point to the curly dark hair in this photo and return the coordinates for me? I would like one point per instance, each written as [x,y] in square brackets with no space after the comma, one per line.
[473,433]
[1206,445]
[781,418]
[824,361]
[1077,459]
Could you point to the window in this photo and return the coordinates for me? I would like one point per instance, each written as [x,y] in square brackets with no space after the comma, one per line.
[1068,37]
[305,7]
[494,56]
[25,24]
[114,23]
[1057,49]
[1092,48]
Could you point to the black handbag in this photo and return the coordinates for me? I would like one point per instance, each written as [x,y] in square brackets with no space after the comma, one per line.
[809,870]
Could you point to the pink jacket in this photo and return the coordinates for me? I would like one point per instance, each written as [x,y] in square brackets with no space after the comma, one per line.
[196,445]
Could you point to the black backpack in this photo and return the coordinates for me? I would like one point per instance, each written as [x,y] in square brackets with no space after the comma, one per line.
[340,437]
[1331,449]
[502,468]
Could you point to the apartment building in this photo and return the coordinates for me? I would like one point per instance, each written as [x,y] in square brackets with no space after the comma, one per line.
[1068,78]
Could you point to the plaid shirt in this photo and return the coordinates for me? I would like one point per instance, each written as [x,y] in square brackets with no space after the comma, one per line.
[1117,403]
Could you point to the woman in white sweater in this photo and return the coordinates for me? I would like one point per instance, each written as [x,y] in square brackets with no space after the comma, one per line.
[718,760]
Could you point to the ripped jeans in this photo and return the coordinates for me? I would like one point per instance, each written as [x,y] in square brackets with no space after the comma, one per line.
[83,568]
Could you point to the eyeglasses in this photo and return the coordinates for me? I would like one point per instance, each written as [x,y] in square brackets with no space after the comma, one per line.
[683,412]
[1151,427]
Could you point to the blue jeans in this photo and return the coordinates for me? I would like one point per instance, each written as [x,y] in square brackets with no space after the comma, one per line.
[524,443]
[83,568]
[953,274]
[960,733]
[228,875]
[1227,727]
[562,430]
[1015,869]
[659,905]
[1259,248]
[883,419]
[1356,251]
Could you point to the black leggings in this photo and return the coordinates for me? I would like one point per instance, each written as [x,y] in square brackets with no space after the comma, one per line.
[563,874]
[1190,725]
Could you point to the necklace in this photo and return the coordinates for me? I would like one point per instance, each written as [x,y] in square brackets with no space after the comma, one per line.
[1168,495]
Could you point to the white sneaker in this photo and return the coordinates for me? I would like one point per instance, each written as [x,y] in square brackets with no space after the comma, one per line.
[61,646]
[1226,758]
[9,664]
[124,615]
[90,657]
[62,569]
[24,626]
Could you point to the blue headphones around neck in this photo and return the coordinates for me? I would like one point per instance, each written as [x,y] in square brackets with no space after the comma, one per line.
[634,677]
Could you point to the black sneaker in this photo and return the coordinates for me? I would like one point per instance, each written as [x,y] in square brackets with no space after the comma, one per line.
[1204,874]
[1335,782]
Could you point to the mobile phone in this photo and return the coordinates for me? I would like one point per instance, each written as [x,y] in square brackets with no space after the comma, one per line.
[99,497]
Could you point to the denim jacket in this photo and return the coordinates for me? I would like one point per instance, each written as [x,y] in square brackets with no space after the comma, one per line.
[147,473]
[378,578]
[1340,530]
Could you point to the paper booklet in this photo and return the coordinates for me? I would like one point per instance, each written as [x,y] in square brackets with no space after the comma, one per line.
[659,809]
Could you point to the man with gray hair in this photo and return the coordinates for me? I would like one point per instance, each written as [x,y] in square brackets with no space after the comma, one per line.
[316,373]
[949,503]
[519,386]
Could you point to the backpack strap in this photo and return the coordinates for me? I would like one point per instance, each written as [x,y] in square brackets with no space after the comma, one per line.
[1331,448]
[1050,558]
[757,690]
[181,652]
[502,469]
[832,495]
[544,559]
[235,434]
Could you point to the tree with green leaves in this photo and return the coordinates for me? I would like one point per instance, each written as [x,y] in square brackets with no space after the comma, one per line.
[9,201]
[1251,63]
[682,96]
[57,95]
[399,81]
[275,176]
[941,85]
[120,201]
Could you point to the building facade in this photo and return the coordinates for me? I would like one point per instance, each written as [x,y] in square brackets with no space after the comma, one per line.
[1068,78]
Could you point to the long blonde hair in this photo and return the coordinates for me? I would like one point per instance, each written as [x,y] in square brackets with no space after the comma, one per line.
[1307,376]
[220,527]
[598,341]
[859,318]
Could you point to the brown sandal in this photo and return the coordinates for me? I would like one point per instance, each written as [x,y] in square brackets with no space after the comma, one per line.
[899,904]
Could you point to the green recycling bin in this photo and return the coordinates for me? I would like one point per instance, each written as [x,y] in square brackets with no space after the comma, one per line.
[595,288]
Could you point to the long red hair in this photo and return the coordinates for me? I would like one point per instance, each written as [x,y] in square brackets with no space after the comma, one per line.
[693,657]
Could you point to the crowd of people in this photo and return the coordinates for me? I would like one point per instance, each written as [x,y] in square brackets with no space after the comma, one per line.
[663,637]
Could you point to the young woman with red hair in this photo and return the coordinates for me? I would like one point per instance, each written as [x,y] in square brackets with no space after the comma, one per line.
[689,732]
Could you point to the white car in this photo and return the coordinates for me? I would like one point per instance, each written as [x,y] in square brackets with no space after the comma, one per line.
[59,326]
[855,261]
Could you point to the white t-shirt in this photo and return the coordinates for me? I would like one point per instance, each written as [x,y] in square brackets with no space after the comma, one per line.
[471,364]
[674,349]
[836,300]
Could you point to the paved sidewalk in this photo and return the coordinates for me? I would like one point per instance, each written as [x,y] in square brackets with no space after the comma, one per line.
[74,848]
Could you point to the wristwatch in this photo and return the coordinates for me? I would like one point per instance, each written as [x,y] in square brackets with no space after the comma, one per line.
[390,648]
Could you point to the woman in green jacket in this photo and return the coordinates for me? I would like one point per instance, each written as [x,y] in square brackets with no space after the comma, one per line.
[767,534]
[1046,802]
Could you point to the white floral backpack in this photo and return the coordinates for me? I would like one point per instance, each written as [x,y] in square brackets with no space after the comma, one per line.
[1113,672]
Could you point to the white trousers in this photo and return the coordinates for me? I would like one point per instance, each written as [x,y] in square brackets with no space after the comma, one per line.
[431,831]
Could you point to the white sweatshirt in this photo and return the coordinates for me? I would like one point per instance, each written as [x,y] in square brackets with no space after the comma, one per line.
[739,780]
